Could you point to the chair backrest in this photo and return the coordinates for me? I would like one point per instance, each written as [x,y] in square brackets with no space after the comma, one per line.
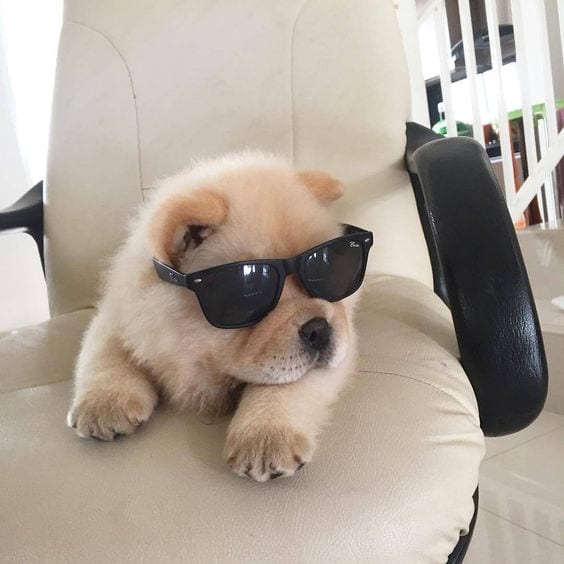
[143,86]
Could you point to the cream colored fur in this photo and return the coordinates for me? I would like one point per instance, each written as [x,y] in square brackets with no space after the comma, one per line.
[150,338]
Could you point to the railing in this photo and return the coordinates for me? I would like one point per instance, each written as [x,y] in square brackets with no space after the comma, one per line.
[544,147]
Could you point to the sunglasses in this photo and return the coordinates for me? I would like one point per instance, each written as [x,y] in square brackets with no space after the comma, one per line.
[240,294]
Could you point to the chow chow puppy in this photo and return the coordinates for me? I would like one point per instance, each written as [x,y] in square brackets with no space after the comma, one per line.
[150,339]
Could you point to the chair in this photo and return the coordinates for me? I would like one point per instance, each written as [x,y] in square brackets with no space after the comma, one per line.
[141,87]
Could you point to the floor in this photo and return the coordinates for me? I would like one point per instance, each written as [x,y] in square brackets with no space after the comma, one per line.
[521,512]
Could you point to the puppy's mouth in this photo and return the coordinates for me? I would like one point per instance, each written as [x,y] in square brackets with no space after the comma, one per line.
[286,368]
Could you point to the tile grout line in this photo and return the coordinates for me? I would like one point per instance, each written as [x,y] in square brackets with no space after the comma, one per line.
[520,526]
[560,426]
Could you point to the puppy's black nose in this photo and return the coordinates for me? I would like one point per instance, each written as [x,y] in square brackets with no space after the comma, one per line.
[316,333]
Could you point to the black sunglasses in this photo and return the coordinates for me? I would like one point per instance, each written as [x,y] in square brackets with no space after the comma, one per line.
[242,293]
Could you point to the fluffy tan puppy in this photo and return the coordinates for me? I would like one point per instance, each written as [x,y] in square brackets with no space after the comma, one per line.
[150,339]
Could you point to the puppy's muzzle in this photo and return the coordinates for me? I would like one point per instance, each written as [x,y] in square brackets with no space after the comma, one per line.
[316,335]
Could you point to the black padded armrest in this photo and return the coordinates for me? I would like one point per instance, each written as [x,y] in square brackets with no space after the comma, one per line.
[479,272]
[26,215]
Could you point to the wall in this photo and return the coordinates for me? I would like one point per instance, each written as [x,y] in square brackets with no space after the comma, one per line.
[29,32]
[557,54]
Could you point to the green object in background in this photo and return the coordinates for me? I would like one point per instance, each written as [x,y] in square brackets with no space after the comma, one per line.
[538,110]
[462,129]
[465,129]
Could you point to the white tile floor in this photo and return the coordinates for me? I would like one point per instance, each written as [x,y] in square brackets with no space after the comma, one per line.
[521,514]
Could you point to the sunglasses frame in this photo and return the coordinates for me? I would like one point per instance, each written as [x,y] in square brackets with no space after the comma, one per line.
[283,267]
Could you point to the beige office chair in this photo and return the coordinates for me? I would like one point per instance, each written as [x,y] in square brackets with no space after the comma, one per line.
[141,88]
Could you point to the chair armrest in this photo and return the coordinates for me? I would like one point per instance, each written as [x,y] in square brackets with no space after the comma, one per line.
[479,272]
[26,215]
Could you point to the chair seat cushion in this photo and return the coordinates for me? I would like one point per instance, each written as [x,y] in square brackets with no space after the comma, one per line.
[392,480]
[43,353]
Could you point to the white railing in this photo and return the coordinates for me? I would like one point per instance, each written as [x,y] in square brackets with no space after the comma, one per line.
[471,71]
[535,82]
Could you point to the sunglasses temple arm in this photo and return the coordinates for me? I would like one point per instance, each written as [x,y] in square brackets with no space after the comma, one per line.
[169,274]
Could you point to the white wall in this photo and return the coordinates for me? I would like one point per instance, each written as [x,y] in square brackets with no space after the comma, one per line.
[13,175]
[557,54]
[29,31]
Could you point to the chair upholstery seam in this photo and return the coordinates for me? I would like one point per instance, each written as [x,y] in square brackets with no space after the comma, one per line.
[11,332]
[6,392]
[131,84]
[436,388]
[77,310]
[298,14]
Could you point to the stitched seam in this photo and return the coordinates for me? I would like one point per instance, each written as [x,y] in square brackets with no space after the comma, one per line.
[76,310]
[9,332]
[299,13]
[436,388]
[36,386]
[134,95]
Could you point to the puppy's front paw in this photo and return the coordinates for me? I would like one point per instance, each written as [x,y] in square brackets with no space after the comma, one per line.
[104,414]
[265,453]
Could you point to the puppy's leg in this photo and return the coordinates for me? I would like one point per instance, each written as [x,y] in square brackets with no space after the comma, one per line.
[274,430]
[112,396]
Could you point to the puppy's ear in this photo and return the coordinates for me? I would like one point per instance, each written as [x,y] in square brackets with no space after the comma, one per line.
[182,221]
[323,186]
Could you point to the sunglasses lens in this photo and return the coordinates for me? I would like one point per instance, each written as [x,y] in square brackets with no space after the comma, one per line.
[334,271]
[240,295]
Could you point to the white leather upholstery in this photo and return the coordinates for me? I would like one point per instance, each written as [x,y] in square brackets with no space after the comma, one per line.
[143,86]
[41,354]
[391,483]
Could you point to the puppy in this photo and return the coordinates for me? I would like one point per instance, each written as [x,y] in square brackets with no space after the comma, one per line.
[151,338]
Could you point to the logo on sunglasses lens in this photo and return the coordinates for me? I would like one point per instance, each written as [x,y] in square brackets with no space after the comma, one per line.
[354,244]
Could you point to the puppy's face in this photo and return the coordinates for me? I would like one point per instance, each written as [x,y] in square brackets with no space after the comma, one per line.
[260,211]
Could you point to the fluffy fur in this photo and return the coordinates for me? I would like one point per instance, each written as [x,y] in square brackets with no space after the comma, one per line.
[150,339]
